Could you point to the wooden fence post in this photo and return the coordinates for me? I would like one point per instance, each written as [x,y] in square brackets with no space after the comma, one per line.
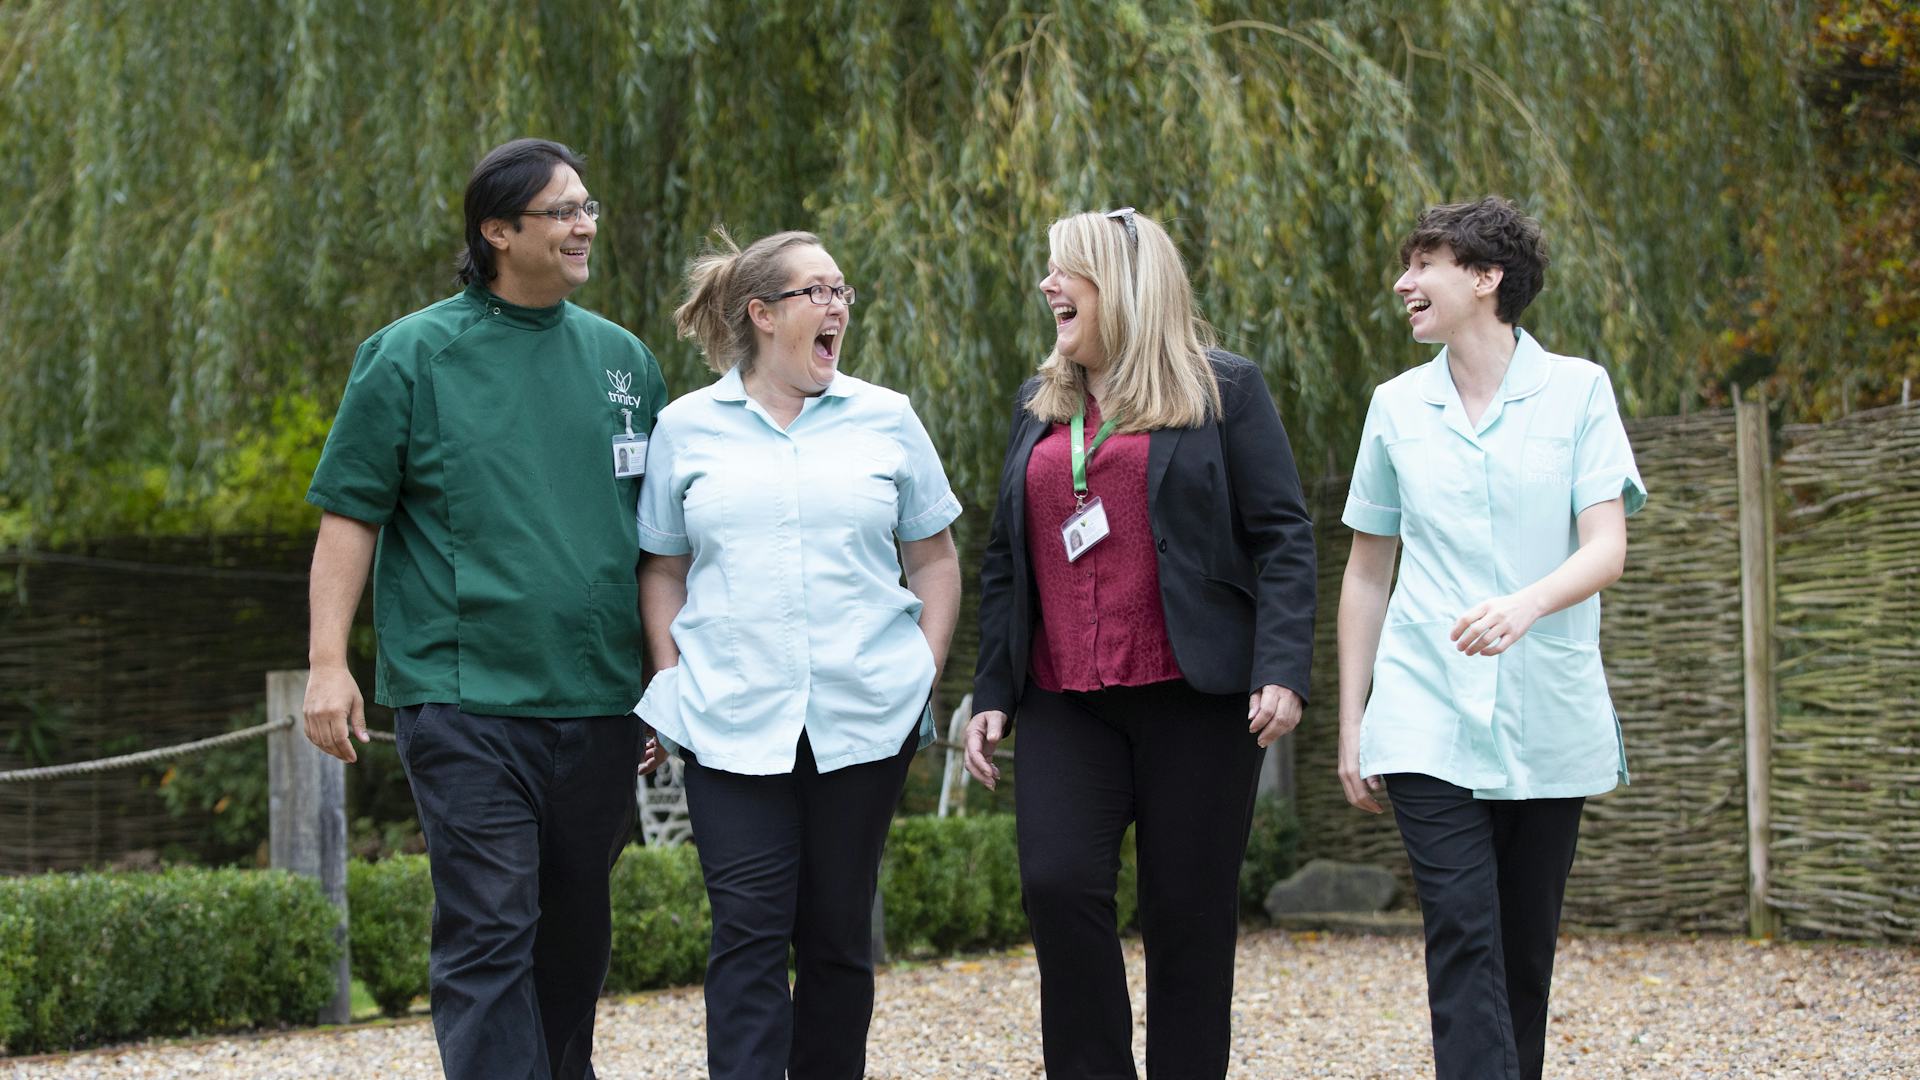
[307,813]
[1754,456]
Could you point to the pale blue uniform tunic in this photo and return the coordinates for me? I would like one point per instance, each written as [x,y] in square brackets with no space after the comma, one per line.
[795,616]
[1482,511]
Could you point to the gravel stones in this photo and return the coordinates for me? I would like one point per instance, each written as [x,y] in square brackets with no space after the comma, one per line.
[1305,1005]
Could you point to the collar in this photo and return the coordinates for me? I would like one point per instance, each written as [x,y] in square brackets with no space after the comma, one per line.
[731,387]
[526,318]
[1526,374]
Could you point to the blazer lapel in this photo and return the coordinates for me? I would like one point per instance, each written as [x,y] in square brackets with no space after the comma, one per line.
[1160,446]
[1030,433]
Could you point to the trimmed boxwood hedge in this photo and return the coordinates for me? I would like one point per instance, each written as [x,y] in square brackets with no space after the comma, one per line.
[89,958]
[92,957]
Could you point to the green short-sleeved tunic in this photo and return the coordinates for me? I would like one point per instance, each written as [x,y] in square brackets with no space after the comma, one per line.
[479,436]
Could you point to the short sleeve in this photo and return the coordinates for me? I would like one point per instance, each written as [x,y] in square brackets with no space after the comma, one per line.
[1373,496]
[662,515]
[927,503]
[1603,466]
[365,459]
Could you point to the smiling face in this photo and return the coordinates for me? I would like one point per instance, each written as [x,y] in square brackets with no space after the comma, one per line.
[798,341]
[1075,303]
[1443,298]
[542,261]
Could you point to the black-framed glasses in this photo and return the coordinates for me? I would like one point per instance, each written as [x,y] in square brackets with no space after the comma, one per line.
[570,213]
[1125,216]
[821,295]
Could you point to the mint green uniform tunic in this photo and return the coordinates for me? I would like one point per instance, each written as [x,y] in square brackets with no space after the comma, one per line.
[478,435]
[1481,511]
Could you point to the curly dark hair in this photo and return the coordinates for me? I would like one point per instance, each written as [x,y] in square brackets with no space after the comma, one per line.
[1482,235]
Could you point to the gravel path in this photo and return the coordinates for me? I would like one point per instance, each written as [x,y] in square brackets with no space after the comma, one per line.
[1305,1006]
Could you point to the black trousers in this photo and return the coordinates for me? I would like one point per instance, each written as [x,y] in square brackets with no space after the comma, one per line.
[523,820]
[792,860]
[1181,768]
[1491,875]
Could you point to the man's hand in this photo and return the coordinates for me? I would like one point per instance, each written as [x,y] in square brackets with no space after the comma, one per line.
[333,706]
[983,737]
[1271,713]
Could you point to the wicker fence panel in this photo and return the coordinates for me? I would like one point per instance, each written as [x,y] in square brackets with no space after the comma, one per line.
[1668,852]
[140,644]
[1846,749]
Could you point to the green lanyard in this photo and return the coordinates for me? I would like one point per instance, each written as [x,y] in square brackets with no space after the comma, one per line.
[1081,452]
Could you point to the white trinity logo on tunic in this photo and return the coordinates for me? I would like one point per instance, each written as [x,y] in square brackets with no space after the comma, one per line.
[622,381]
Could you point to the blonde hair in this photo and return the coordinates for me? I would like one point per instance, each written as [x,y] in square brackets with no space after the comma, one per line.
[1156,342]
[720,282]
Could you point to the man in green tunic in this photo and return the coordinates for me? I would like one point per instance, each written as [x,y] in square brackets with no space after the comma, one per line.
[490,448]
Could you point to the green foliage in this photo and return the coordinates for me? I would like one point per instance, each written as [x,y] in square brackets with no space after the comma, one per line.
[222,199]
[1271,847]
[662,924]
[16,967]
[112,956]
[390,923]
[952,885]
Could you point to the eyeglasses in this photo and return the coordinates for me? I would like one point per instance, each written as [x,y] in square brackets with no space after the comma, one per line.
[1125,214]
[570,213]
[821,295]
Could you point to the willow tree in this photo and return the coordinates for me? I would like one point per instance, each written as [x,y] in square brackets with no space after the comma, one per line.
[207,205]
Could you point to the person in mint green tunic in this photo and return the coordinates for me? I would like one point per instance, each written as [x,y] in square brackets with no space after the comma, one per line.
[489,448]
[1474,692]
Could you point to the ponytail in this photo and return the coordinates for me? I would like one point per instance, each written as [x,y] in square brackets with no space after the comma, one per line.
[720,282]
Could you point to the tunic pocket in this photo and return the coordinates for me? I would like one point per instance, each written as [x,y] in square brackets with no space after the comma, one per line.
[610,653]
[1568,732]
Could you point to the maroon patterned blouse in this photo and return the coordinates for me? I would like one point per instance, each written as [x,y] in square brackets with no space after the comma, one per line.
[1101,623]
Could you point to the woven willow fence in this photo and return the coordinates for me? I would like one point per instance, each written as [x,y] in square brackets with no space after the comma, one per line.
[121,647]
[1670,852]
[1846,749]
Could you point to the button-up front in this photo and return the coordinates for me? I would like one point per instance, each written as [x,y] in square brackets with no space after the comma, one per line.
[1483,510]
[795,615]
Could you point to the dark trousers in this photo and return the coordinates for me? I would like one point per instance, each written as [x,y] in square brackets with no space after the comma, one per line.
[792,860]
[1181,768]
[523,820]
[1491,875]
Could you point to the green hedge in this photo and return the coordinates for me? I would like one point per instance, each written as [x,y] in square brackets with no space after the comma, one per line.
[1272,849]
[389,923]
[92,957]
[661,921]
[88,958]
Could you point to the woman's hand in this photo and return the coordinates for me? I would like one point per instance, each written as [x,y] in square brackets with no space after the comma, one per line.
[1491,627]
[654,757]
[983,737]
[1360,789]
[1271,713]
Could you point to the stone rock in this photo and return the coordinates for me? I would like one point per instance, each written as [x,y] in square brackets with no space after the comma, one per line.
[1324,885]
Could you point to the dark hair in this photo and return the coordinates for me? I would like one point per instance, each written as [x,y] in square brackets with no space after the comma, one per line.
[501,186]
[1482,235]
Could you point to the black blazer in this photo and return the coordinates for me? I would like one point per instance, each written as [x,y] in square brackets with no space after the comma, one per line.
[1235,550]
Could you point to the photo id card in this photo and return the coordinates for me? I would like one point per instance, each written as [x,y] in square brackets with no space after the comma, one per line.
[1087,527]
[629,456]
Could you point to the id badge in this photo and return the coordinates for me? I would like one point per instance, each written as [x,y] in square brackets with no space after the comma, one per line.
[1087,527]
[629,456]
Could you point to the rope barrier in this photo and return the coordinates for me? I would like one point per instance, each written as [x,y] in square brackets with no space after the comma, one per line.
[78,768]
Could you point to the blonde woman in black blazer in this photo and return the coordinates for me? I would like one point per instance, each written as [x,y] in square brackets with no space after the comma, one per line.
[1149,619]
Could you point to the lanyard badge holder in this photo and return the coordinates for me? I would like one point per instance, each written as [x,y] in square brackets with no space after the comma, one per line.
[1087,525]
[629,451]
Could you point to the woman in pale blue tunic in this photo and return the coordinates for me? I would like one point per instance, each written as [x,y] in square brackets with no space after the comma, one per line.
[1504,472]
